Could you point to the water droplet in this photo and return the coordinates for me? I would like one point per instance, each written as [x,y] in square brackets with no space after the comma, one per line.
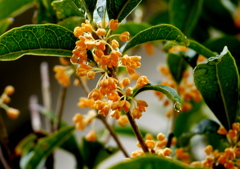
[202,71]
[177,107]
[100,9]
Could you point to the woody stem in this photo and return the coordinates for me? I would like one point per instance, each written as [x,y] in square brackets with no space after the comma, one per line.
[113,134]
[137,132]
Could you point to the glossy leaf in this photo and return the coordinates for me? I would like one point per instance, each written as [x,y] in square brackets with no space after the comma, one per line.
[151,162]
[184,14]
[208,128]
[71,22]
[177,65]
[4,24]
[163,32]
[218,82]
[121,9]
[168,91]
[10,9]
[66,8]
[47,144]
[26,144]
[201,49]
[95,153]
[46,39]
[44,13]
[89,7]
[132,27]
[70,144]
[232,42]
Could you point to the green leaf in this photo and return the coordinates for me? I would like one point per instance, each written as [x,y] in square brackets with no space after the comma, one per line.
[121,9]
[163,32]
[70,144]
[12,9]
[42,14]
[66,8]
[218,82]
[151,162]
[177,65]
[26,144]
[47,144]
[232,42]
[95,153]
[89,6]
[132,27]
[46,39]
[4,24]
[168,91]
[184,14]
[200,49]
[71,22]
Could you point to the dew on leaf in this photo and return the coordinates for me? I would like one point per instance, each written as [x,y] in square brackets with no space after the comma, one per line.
[177,107]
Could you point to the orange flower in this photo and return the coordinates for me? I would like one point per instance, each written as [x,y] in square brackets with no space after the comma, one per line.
[142,81]
[114,44]
[95,94]
[9,90]
[78,31]
[123,120]
[13,113]
[125,36]
[113,24]
[91,136]
[101,32]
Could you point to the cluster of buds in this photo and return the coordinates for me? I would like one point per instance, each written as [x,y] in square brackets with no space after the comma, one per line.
[230,158]
[5,99]
[155,145]
[97,41]
[115,97]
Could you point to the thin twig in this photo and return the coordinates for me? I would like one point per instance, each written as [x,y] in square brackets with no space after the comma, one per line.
[60,106]
[103,119]
[137,132]
[84,85]
[5,141]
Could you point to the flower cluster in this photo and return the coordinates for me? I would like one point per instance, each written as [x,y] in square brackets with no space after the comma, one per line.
[5,99]
[230,158]
[155,145]
[97,52]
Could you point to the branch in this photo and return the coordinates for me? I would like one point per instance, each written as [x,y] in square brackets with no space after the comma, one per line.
[113,134]
[137,132]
